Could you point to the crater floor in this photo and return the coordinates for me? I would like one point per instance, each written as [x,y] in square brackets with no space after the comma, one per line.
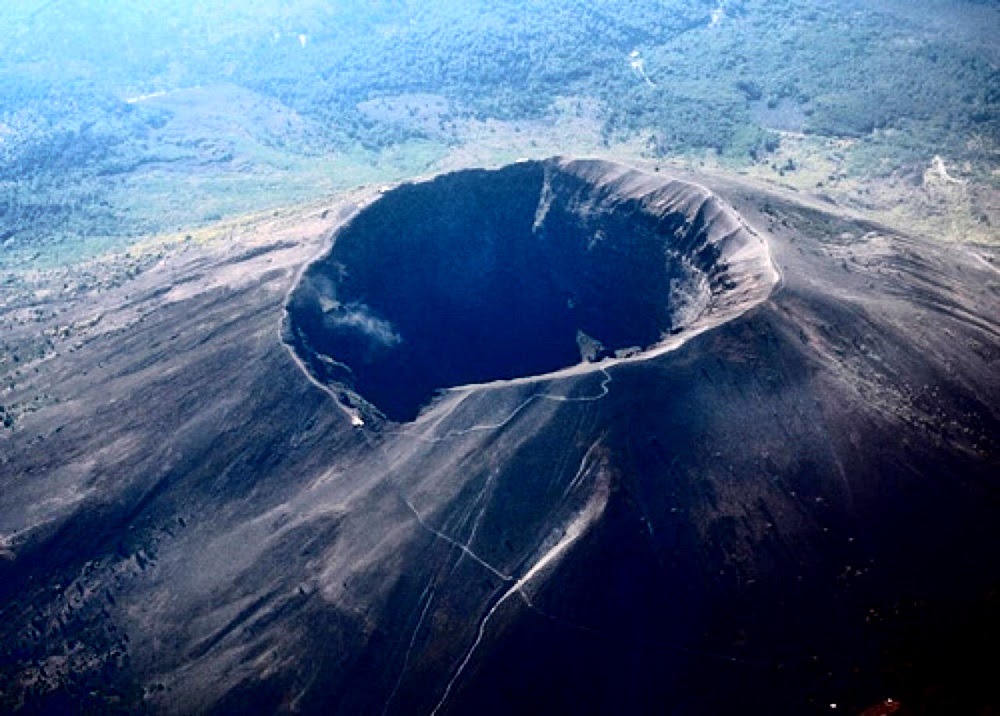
[480,276]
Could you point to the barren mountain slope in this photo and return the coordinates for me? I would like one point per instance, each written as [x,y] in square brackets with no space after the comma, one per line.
[788,501]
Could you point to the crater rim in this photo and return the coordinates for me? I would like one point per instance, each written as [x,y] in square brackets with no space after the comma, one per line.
[745,275]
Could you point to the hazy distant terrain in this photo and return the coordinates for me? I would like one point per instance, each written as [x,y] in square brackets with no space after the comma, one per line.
[119,120]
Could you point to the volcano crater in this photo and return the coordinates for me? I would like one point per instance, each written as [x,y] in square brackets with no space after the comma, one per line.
[542,266]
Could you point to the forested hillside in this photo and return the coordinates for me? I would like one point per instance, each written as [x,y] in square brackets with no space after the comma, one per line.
[126,119]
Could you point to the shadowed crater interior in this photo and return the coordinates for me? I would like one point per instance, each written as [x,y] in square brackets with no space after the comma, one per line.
[479,276]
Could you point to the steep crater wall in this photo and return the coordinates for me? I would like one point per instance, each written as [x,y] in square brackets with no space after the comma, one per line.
[479,276]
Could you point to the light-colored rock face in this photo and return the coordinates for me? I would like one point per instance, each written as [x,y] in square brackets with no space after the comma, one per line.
[533,269]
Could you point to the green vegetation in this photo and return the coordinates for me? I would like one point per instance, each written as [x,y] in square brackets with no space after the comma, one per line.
[119,120]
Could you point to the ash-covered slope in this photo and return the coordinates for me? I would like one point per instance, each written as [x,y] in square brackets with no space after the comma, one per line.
[786,507]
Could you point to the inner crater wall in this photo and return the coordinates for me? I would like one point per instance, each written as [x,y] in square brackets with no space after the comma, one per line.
[479,276]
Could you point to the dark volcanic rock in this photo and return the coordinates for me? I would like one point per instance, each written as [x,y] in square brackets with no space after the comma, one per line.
[790,503]
[481,276]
